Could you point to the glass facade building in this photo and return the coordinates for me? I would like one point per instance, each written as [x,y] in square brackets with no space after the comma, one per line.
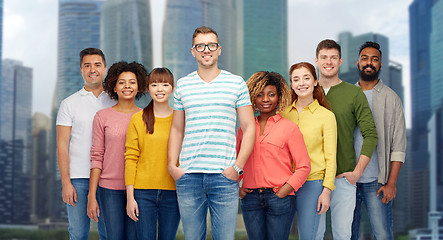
[15,142]
[262,37]
[436,55]
[182,17]
[126,34]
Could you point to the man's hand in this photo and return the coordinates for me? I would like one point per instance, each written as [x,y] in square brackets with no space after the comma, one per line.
[352,177]
[388,193]
[230,173]
[93,209]
[175,172]
[69,194]
[243,191]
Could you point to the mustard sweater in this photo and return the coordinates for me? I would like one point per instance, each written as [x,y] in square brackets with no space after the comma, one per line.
[146,154]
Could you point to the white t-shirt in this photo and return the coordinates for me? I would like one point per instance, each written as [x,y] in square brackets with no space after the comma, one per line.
[78,111]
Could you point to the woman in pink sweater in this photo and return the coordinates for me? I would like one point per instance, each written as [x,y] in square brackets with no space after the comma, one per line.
[124,82]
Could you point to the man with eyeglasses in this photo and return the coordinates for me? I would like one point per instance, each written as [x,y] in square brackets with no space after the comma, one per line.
[206,104]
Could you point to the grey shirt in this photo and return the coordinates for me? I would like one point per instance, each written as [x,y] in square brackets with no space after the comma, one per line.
[389,119]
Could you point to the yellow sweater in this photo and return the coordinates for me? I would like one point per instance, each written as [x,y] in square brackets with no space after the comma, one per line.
[146,154]
[319,130]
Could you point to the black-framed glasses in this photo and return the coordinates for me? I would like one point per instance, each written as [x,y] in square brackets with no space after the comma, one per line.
[201,47]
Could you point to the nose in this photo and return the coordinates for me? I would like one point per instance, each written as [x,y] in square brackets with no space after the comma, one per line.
[265,98]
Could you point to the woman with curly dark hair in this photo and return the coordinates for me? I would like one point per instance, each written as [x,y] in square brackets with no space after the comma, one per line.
[269,182]
[124,82]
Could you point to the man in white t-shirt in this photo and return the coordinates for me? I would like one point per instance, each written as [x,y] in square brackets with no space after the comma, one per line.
[74,139]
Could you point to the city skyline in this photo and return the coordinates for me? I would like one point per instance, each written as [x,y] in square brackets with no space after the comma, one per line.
[35,24]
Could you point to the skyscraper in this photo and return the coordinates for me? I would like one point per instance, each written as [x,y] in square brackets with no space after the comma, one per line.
[262,37]
[350,45]
[395,79]
[41,189]
[419,30]
[182,17]
[1,36]
[126,34]
[436,55]
[15,154]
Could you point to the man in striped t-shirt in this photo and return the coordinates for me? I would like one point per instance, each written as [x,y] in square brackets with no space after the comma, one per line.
[206,104]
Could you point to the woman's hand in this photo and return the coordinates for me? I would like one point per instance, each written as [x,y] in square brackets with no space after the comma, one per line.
[132,209]
[243,191]
[93,210]
[284,190]
[324,201]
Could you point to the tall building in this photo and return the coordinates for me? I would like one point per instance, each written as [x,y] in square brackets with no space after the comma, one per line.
[419,30]
[436,56]
[395,79]
[78,28]
[1,36]
[350,46]
[182,17]
[41,189]
[262,37]
[126,34]
[15,154]
[436,167]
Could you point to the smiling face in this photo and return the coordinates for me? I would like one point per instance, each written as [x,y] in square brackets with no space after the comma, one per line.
[160,91]
[303,83]
[207,58]
[126,86]
[267,100]
[328,62]
[369,64]
[93,71]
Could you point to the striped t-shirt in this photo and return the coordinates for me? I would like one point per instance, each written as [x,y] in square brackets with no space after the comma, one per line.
[210,119]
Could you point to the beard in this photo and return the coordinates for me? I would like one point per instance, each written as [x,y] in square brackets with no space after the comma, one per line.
[369,77]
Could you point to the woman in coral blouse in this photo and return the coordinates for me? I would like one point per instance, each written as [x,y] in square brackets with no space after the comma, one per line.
[269,182]
[152,200]
[124,82]
[310,110]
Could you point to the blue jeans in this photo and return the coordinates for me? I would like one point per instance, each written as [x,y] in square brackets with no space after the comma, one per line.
[196,192]
[156,207]
[342,210]
[267,216]
[79,221]
[118,225]
[380,214]
[306,199]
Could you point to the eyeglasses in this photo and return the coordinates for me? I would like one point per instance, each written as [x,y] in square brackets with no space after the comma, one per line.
[201,47]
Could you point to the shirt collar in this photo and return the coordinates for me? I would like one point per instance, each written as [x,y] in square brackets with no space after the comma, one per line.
[275,118]
[312,107]
[377,87]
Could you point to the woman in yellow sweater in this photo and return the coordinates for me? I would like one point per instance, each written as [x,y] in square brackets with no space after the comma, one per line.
[151,196]
[310,110]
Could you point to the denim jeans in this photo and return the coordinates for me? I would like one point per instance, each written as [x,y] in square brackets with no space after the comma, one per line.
[306,199]
[196,192]
[380,214]
[79,221]
[342,210]
[118,224]
[156,207]
[267,216]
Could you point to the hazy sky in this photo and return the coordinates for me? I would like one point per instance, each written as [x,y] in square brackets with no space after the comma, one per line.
[30,34]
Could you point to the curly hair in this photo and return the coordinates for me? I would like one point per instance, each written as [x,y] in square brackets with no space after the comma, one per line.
[259,80]
[120,67]
[318,91]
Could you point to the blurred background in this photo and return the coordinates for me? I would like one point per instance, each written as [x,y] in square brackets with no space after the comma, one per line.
[41,40]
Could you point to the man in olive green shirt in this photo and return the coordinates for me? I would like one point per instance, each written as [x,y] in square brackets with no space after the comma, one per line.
[351,109]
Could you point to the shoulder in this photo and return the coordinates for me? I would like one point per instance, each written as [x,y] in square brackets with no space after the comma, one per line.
[187,78]
[325,113]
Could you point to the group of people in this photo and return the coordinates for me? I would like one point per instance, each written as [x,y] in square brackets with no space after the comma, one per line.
[316,144]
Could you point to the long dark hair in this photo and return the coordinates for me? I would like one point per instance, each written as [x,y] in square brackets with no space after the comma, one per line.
[318,91]
[157,75]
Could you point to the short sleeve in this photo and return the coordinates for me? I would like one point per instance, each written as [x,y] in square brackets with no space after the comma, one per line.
[243,95]
[178,105]
[64,114]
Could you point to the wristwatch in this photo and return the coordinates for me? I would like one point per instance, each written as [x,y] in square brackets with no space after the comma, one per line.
[239,170]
